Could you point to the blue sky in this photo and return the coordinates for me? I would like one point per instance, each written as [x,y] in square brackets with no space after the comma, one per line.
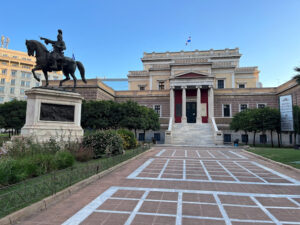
[109,37]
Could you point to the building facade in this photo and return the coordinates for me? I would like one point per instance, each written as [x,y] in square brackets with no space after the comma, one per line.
[196,94]
[16,76]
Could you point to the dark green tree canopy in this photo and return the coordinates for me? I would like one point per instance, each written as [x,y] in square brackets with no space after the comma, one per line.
[13,114]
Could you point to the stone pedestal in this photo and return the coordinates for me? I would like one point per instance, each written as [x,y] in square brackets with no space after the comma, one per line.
[53,113]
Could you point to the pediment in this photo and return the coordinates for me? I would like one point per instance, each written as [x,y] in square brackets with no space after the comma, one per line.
[191,75]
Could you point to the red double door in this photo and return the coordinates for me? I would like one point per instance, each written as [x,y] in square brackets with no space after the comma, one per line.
[191,107]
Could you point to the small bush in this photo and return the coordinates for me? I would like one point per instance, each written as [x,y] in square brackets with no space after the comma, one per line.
[84,154]
[63,159]
[129,141]
[10,171]
[104,142]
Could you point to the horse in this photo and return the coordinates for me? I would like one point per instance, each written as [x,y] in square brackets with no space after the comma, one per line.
[68,65]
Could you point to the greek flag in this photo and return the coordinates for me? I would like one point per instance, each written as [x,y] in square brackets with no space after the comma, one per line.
[73,56]
[188,40]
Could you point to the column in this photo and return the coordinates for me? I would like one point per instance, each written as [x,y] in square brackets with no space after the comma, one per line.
[183,117]
[199,116]
[211,102]
[172,104]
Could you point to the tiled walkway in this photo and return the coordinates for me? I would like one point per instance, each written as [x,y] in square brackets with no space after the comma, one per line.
[190,186]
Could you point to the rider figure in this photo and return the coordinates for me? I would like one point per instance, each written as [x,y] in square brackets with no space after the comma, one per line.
[58,50]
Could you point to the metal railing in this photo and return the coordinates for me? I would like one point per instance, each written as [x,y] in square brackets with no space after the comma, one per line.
[22,194]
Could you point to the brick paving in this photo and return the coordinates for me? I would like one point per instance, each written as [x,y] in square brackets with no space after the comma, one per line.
[181,185]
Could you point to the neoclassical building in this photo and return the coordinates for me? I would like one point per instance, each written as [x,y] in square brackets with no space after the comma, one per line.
[196,94]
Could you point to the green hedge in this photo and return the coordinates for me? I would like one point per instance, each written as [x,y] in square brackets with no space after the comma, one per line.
[129,141]
[15,170]
[104,142]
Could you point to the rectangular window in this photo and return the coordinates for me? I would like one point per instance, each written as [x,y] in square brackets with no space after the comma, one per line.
[55,78]
[142,88]
[28,75]
[220,84]
[245,138]
[2,80]
[1,89]
[37,84]
[23,74]
[241,85]
[291,139]
[157,136]
[261,105]
[13,73]
[3,63]
[141,137]
[12,82]
[27,83]
[22,83]
[227,138]
[226,110]
[243,107]
[38,75]
[157,109]
[15,64]
[161,85]
[12,90]
[263,139]
[1,99]
[4,71]
[22,91]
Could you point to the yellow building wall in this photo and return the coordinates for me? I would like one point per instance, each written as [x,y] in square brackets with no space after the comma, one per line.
[249,82]
[135,84]
[224,76]
[156,79]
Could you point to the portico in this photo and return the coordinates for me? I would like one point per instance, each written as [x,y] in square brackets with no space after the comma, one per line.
[191,98]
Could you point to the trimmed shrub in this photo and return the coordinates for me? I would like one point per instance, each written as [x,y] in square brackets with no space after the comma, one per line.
[83,154]
[129,141]
[10,171]
[63,159]
[104,142]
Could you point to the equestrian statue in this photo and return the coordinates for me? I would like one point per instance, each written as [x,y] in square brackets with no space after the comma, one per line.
[54,61]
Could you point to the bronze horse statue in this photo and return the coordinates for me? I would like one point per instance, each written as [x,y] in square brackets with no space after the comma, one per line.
[67,65]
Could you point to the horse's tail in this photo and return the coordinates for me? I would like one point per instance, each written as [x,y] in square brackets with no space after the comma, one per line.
[81,70]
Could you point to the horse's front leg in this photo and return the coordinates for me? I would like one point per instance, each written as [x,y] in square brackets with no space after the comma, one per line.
[46,77]
[33,72]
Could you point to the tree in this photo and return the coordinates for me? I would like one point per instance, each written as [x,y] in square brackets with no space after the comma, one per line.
[14,113]
[95,115]
[272,121]
[296,116]
[240,121]
[297,76]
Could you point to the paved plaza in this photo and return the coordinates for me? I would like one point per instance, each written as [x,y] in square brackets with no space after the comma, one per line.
[184,185]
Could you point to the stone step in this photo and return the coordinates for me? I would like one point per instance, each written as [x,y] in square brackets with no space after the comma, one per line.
[192,134]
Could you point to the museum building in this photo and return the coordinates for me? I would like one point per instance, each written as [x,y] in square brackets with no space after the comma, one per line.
[196,94]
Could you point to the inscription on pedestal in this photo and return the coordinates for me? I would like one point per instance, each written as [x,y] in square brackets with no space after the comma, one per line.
[55,112]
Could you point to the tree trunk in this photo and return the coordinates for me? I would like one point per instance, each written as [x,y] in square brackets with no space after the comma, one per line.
[295,135]
[135,133]
[247,138]
[254,138]
[278,137]
[272,139]
[144,135]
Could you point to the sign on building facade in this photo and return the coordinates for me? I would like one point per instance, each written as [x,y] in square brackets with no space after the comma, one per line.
[286,113]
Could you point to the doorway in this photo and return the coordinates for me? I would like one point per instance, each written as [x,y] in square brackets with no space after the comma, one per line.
[191,112]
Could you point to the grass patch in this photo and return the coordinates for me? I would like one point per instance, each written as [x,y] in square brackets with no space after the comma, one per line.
[284,155]
[20,195]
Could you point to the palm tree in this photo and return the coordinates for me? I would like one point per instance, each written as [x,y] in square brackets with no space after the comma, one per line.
[297,76]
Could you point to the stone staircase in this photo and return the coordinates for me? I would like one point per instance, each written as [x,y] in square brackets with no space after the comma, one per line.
[192,134]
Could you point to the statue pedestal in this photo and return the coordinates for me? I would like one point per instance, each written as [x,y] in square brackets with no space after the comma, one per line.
[53,113]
